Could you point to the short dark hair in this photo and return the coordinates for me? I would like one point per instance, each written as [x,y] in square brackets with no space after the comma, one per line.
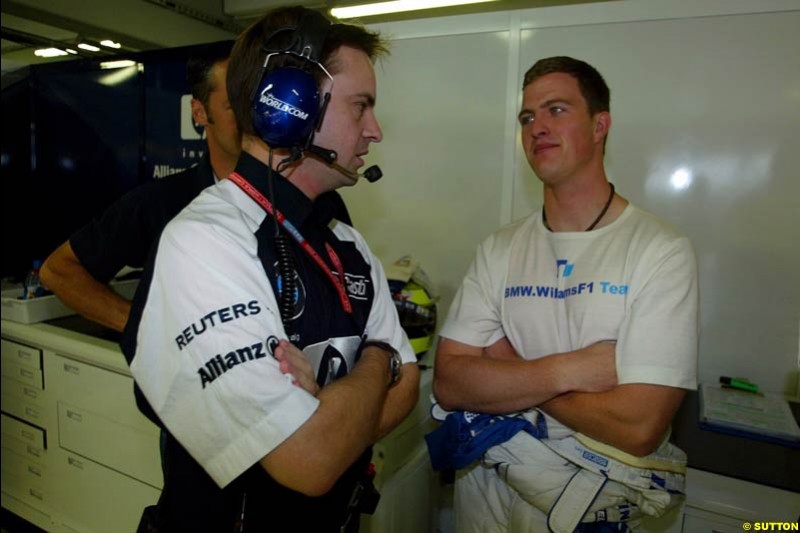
[198,68]
[591,84]
[248,55]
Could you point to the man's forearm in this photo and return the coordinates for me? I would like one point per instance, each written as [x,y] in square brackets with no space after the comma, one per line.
[317,454]
[633,418]
[495,386]
[63,274]
[496,380]
[400,400]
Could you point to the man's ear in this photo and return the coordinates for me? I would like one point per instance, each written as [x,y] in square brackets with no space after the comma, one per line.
[199,114]
[602,123]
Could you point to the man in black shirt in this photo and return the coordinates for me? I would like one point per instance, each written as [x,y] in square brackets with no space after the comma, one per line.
[78,271]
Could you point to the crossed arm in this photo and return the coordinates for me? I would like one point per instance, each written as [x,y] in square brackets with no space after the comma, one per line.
[577,388]
[354,412]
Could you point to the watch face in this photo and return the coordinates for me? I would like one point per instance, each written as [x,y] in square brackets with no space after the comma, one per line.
[396,366]
[395,363]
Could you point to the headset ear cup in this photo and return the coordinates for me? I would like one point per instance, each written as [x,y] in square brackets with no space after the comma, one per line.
[286,107]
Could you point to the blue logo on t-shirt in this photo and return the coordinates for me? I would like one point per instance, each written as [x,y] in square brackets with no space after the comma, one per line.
[567,272]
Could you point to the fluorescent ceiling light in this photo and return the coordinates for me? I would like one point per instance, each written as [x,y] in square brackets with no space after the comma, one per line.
[117,64]
[110,44]
[49,52]
[117,76]
[71,51]
[89,47]
[396,6]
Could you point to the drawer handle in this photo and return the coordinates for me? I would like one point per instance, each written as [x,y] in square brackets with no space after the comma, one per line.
[75,463]
[36,494]
[77,417]
[72,369]
[25,373]
[30,392]
[36,452]
[35,471]
[30,411]
[27,435]
[24,355]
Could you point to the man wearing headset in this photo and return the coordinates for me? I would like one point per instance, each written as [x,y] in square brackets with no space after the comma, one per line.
[587,311]
[78,271]
[263,436]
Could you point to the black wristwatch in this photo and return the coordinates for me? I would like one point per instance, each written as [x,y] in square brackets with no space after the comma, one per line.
[395,363]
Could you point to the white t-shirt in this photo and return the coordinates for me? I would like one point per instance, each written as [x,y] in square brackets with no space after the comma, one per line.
[633,281]
[203,357]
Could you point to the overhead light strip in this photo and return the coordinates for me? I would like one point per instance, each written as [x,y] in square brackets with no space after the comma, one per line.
[89,47]
[396,6]
[49,52]
[120,63]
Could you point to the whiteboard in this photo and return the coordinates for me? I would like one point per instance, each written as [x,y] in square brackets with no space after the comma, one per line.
[705,104]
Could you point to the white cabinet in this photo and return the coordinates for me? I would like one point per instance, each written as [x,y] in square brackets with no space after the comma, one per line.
[24,475]
[98,419]
[77,455]
[723,502]
[89,496]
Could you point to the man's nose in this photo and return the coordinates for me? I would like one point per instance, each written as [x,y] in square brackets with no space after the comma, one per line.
[540,127]
[372,130]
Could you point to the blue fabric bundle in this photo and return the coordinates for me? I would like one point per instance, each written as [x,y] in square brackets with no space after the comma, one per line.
[464,436]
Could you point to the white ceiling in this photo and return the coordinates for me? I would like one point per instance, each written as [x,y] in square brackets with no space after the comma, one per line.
[150,24]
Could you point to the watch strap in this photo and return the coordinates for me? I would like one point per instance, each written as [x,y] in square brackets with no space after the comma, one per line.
[395,363]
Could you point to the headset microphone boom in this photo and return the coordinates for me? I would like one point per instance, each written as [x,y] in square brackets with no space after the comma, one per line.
[372,174]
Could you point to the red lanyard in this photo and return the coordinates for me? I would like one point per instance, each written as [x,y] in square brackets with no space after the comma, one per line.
[338,282]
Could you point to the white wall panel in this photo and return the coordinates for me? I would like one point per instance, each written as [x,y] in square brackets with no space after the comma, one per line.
[442,108]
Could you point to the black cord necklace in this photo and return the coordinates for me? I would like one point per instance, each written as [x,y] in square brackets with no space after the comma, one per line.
[598,219]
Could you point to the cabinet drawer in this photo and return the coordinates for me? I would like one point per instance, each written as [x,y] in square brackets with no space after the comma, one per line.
[22,484]
[21,354]
[98,390]
[126,449]
[23,467]
[92,497]
[20,408]
[21,373]
[15,389]
[23,432]
[31,451]
[34,515]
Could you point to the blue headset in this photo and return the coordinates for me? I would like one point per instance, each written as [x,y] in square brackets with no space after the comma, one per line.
[287,104]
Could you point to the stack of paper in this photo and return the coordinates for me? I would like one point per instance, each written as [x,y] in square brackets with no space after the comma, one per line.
[763,413]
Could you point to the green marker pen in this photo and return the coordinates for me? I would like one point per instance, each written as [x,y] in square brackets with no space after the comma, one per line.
[738,384]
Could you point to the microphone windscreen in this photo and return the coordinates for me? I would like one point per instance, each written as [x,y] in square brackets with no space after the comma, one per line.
[373,174]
